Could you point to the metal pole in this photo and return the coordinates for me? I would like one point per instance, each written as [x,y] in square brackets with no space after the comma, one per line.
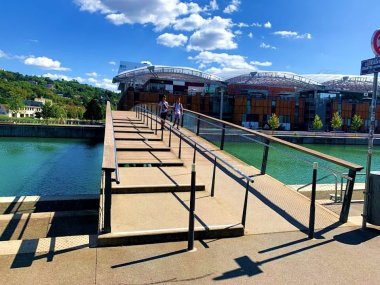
[222,138]
[265,157]
[183,115]
[170,135]
[107,202]
[180,145]
[370,148]
[195,152]
[151,117]
[243,219]
[213,179]
[162,132]
[198,124]
[156,121]
[190,245]
[147,115]
[221,103]
[312,202]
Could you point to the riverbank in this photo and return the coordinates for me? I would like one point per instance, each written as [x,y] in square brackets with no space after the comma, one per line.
[52,131]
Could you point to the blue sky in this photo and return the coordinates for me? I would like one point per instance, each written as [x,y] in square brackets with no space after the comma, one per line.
[86,39]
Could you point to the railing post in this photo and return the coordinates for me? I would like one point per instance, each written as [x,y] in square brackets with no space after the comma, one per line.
[244,216]
[156,121]
[162,132]
[107,201]
[347,197]
[151,117]
[180,145]
[198,124]
[190,245]
[223,135]
[213,179]
[195,152]
[265,157]
[147,115]
[170,135]
[183,115]
[312,202]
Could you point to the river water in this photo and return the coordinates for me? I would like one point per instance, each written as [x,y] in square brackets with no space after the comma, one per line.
[44,166]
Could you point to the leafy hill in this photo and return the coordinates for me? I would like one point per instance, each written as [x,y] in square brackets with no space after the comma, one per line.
[66,95]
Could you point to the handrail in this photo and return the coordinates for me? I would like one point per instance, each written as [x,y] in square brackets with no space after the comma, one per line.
[315,153]
[109,151]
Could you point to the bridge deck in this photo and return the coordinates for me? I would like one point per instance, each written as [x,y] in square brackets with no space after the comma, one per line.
[272,206]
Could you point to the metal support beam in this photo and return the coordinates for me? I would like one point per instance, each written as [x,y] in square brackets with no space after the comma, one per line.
[347,197]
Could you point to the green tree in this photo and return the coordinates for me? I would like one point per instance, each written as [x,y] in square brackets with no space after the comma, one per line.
[356,123]
[47,111]
[336,121]
[93,110]
[317,123]
[15,104]
[274,122]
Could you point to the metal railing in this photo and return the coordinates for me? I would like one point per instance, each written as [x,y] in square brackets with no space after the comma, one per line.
[269,142]
[109,166]
[146,113]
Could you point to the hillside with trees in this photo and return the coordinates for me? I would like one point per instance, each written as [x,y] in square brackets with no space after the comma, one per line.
[69,98]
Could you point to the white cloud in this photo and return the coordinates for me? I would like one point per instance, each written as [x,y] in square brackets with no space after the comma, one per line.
[92,74]
[268,25]
[264,63]
[213,5]
[214,34]
[112,62]
[250,35]
[238,32]
[3,54]
[293,35]
[172,40]
[160,13]
[256,25]
[191,23]
[264,45]
[104,83]
[242,25]
[232,7]
[223,64]
[45,63]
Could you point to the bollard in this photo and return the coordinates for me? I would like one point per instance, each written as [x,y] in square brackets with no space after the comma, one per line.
[312,202]
[190,245]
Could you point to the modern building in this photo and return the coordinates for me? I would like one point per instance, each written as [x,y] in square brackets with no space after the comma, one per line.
[251,99]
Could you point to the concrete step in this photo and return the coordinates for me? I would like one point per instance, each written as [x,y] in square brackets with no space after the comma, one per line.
[132,130]
[141,145]
[163,158]
[136,137]
[164,217]
[154,180]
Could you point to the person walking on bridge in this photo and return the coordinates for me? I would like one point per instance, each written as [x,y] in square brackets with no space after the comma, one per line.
[178,111]
[163,107]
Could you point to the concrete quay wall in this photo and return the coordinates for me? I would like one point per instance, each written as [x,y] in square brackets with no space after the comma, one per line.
[51,131]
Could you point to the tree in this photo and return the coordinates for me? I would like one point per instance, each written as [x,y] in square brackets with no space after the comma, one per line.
[47,111]
[317,123]
[274,122]
[356,123]
[15,104]
[93,110]
[336,121]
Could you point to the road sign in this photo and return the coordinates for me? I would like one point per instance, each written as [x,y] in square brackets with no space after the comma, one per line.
[369,66]
[376,42]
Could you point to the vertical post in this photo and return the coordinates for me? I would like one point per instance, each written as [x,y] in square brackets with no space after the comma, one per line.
[265,157]
[147,115]
[107,201]
[162,132]
[370,148]
[347,197]
[156,120]
[213,179]
[190,245]
[198,124]
[243,219]
[170,135]
[221,103]
[222,138]
[180,145]
[312,202]
[151,117]
[183,115]
[195,152]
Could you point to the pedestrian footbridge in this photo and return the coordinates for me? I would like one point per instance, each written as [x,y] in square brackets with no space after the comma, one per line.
[149,174]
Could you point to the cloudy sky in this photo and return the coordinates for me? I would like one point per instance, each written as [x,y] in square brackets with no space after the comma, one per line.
[86,39]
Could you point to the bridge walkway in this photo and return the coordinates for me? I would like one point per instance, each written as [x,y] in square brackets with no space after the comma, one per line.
[151,202]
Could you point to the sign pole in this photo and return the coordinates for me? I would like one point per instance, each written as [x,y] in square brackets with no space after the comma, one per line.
[370,148]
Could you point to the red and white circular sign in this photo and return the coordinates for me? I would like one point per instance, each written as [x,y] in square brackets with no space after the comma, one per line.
[376,42]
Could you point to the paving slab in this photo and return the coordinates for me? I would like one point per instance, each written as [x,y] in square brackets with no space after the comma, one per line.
[132,130]
[136,136]
[164,158]
[141,145]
